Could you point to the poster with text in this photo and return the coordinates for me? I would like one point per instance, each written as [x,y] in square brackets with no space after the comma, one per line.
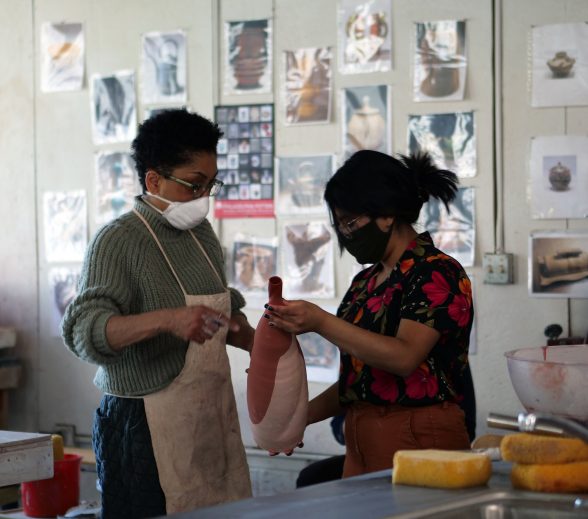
[365,36]
[245,161]
[248,57]
[117,184]
[163,67]
[65,225]
[558,264]
[439,61]
[254,261]
[308,85]
[559,177]
[559,68]
[453,232]
[449,138]
[301,184]
[367,119]
[62,57]
[114,115]
[63,285]
[307,259]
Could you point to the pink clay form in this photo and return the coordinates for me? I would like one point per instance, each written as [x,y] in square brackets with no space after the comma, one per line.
[277,390]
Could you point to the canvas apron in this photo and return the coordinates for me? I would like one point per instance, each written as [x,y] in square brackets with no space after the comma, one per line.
[193,422]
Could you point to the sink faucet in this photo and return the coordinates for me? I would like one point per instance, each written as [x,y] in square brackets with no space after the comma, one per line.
[539,422]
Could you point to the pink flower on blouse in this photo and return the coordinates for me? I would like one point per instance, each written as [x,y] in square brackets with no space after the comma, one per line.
[437,290]
[376,302]
[459,310]
[384,385]
[421,383]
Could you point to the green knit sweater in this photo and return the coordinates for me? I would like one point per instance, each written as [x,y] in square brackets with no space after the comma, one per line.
[124,273]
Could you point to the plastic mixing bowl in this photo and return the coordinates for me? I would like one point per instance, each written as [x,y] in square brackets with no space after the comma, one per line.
[551,379]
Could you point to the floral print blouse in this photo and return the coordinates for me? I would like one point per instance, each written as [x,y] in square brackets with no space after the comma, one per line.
[426,286]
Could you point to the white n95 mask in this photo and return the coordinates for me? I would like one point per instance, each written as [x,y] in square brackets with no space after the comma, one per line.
[185,215]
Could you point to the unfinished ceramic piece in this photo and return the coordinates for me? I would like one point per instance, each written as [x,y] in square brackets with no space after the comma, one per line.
[277,389]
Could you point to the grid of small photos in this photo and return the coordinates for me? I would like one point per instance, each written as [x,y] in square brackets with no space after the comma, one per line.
[245,161]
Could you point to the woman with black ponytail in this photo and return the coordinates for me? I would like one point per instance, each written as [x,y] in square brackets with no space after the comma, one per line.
[404,325]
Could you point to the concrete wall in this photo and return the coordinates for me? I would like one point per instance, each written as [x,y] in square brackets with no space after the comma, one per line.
[45,144]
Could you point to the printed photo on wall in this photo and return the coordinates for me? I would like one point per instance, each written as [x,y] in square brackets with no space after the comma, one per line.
[307,259]
[558,264]
[439,62]
[453,232]
[114,116]
[449,138]
[301,184]
[163,67]
[62,57]
[366,113]
[308,85]
[245,161]
[65,225]
[320,355]
[365,36]
[560,65]
[559,177]
[254,261]
[117,184]
[248,57]
[63,285]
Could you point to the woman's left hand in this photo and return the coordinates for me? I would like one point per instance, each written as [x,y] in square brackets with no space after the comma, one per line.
[295,316]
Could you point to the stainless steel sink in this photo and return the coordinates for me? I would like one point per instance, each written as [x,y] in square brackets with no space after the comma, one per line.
[507,505]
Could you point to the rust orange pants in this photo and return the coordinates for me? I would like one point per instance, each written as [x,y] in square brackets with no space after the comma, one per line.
[374,433]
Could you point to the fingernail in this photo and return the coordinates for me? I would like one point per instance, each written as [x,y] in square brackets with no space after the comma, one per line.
[266,306]
[270,308]
[301,444]
[271,324]
[288,454]
[266,316]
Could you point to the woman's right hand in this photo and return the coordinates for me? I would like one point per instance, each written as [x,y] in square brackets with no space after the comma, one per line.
[198,323]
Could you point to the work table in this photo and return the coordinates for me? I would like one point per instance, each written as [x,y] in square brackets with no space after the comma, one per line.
[371,496]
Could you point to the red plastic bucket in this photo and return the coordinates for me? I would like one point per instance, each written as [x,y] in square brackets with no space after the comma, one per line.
[51,497]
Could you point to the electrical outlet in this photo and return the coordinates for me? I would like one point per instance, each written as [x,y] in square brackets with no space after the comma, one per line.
[498,268]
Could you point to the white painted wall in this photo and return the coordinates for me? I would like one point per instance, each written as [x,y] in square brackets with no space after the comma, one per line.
[45,144]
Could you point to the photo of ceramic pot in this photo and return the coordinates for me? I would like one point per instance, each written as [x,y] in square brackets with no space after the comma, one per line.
[560,177]
[361,26]
[251,61]
[367,128]
[561,64]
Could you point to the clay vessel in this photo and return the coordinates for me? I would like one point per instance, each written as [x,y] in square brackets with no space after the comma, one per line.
[560,177]
[277,390]
[561,64]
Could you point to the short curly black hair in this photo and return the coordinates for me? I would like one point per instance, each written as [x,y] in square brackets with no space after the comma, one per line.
[170,139]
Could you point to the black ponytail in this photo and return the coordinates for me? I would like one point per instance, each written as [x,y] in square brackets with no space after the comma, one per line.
[430,180]
[376,184]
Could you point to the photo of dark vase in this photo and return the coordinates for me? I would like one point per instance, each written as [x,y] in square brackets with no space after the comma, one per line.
[561,64]
[250,63]
[560,177]
[277,388]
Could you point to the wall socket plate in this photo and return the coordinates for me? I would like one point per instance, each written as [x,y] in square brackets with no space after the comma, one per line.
[498,268]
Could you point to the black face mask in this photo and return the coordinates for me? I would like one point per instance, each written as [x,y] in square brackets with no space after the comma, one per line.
[368,243]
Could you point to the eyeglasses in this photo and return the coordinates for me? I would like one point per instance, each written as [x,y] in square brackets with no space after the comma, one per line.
[347,228]
[212,188]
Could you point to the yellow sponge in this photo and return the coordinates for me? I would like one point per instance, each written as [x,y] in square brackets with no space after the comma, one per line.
[441,469]
[57,441]
[542,449]
[559,477]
